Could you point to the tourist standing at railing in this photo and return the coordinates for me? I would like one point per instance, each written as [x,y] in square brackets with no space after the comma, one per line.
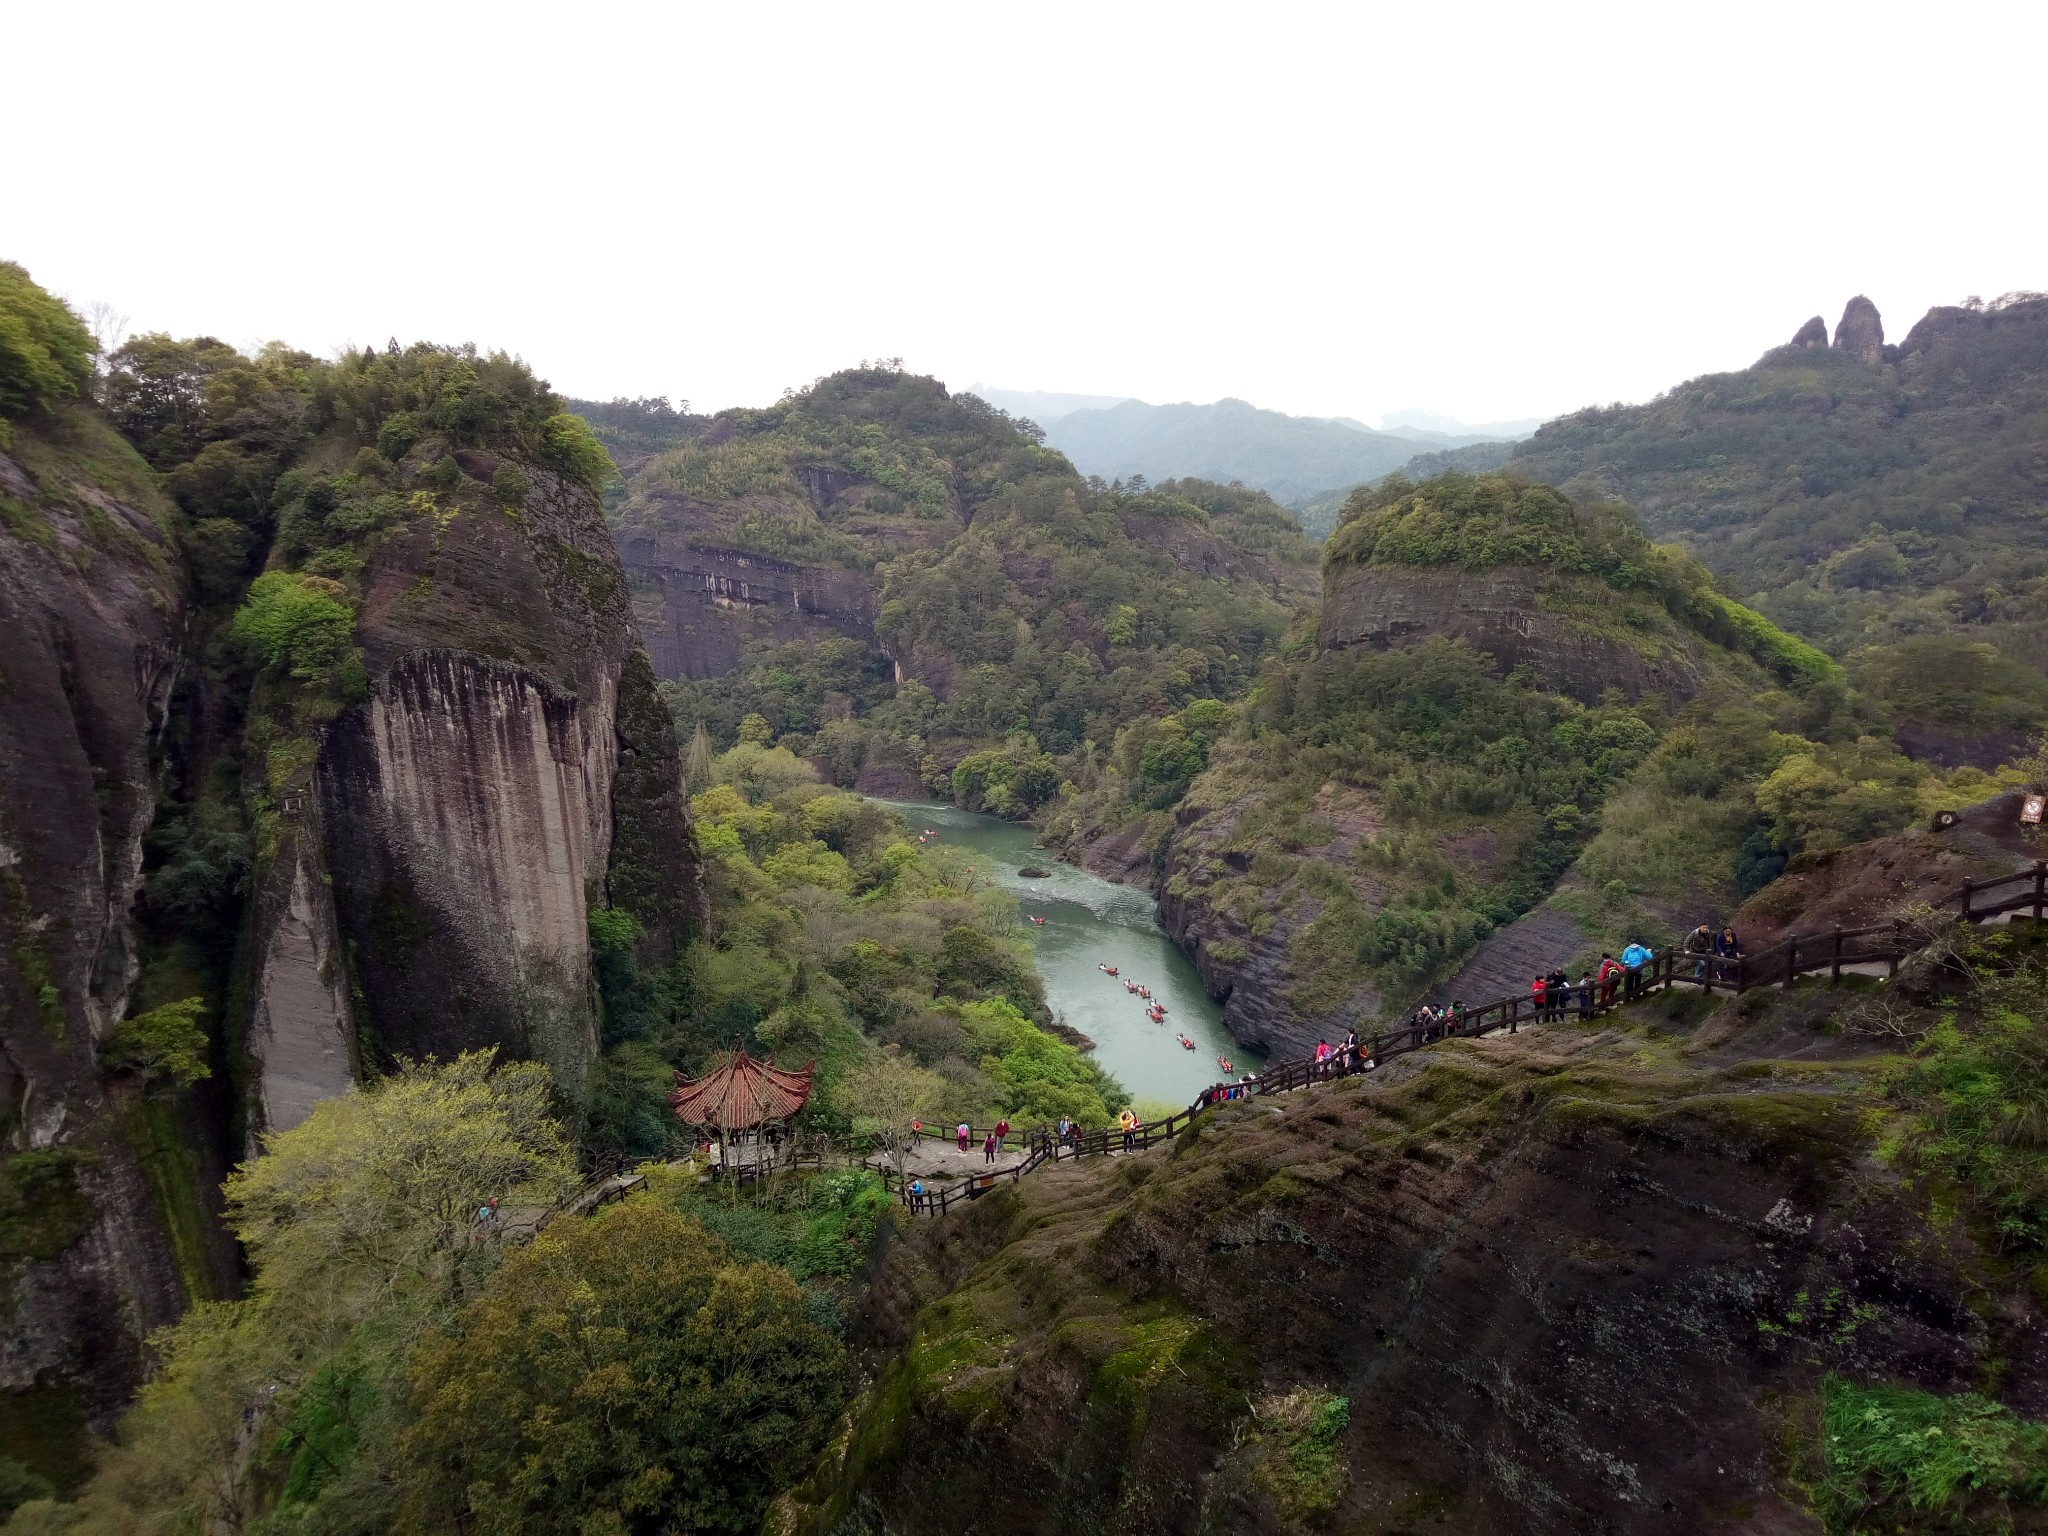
[917,1194]
[1700,945]
[988,1148]
[1585,990]
[1559,994]
[1003,1132]
[1633,959]
[964,1133]
[1728,951]
[1129,1124]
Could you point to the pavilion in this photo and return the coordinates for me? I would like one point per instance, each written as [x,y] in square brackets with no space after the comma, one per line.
[742,1109]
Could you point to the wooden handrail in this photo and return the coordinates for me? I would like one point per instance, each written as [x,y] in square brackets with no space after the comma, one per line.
[1781,964]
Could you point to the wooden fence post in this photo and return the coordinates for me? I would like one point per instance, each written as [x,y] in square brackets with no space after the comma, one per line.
[1791,959]
[1963,898]
[2040,887]
[1836,972]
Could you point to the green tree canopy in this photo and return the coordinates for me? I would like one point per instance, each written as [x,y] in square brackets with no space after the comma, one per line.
[45,350]
[621,1375]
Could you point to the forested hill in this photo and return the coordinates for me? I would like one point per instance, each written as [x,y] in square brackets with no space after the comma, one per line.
[1885,501]
[912,588]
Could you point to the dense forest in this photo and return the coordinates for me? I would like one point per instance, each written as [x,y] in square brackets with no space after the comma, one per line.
[964,609]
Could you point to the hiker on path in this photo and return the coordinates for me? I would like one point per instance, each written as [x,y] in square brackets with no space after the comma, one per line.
[965,1133]
[1536,991]
[917,1194]
[988,1148]
[1700,945]
[1003,1132]
[1633,959]
[1129,1122]
[1585,997]
[1609,975]
[1559,992]
[916,1132]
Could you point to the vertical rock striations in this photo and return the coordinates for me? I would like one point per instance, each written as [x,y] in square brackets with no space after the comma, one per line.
[92,607]
[470,804]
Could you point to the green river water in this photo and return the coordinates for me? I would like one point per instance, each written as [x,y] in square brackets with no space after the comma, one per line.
[1090,922]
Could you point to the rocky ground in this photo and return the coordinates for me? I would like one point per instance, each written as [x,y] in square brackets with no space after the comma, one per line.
[1586,1278]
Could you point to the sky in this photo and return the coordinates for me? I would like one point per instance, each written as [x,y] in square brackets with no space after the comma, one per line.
[1488,211]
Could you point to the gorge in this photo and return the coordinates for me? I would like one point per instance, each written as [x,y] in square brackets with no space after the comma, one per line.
[408,775]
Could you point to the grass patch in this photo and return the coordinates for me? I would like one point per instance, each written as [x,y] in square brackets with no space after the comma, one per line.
[1893,1459]
[1299,1431]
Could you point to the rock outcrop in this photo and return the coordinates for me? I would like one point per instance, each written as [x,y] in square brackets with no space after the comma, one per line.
[92,613]
[1812,334]
[698,605]
[469,808]
[1558,629]
[1860,332]
[1556,1287]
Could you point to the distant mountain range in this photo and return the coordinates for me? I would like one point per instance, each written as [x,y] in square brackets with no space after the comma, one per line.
[1042,406]
[1288,457]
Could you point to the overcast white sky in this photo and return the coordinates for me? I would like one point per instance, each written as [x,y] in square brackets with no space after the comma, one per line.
[1493,211]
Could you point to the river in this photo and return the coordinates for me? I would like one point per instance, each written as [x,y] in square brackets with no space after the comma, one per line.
[1090,922]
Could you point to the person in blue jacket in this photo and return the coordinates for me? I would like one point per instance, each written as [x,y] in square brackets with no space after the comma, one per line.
[1633,959]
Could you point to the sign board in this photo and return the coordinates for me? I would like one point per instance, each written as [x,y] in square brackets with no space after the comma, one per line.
[2031,808]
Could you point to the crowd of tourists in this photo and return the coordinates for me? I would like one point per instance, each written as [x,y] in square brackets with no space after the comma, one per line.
[1712,954]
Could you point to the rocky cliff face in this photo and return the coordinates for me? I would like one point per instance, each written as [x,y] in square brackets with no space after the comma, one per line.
[92,608]
[1560,630]
[698,605]
[1557,1290]
[468,808]
[1245,949]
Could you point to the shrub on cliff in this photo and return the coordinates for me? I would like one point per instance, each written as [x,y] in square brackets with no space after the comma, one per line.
[166,1043]
[297,625]
[45,350]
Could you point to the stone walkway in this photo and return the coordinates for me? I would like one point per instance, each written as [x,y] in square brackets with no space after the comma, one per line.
[943,1159]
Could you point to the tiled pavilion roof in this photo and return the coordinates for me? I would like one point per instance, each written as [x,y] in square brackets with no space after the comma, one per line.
[741,1094]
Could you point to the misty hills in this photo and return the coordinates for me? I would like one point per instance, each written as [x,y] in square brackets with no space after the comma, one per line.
[1288,457]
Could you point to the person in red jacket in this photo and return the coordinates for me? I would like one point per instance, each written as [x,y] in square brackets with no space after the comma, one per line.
[1609,977]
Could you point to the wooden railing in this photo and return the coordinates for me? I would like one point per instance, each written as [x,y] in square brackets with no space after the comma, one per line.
[1975,901]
